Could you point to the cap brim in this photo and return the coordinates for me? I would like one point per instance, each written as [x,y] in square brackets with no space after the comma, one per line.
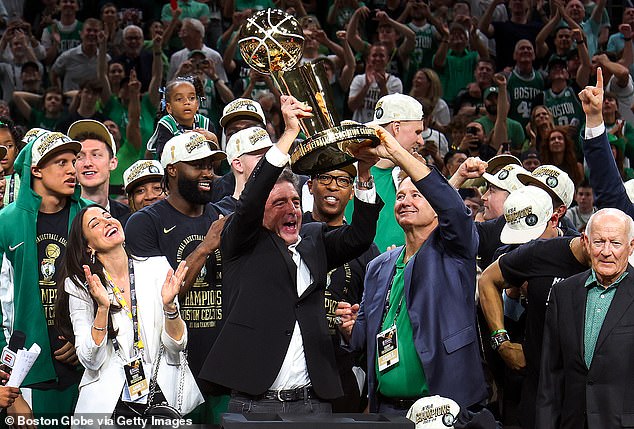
[240,113]
[493,180]
[147,178]
[514,236]
[499,161]
[251,150]
[91,126]
[215,155]
[527,179]
[73,146]
[351,169]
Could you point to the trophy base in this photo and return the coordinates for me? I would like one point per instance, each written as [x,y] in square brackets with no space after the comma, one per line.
[328,149]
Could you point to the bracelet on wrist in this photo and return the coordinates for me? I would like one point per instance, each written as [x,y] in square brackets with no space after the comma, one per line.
[499,331]
[172,315]
[105,328]
[498,339]
[366,185]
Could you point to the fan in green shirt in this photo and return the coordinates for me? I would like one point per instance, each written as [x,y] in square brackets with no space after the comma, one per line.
[454,63]
[514,128]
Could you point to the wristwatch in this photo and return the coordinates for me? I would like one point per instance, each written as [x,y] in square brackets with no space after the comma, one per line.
[498,339]
[366,185]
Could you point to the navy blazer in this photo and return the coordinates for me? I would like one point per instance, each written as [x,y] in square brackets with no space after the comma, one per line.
[604,175]
[440,290]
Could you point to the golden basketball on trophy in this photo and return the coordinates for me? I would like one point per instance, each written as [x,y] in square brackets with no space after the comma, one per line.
[272,42]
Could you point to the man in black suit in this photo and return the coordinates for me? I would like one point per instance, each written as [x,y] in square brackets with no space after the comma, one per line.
[275,351]
[587,370]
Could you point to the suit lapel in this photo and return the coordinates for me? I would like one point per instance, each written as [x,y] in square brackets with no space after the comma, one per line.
[306,249]
[579,311]
[384,282]
[290,264]
[621,302]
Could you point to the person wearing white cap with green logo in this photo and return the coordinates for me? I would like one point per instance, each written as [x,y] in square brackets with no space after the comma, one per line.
[238,115]
[402,117]
[142,183]
[244,149]
[529,216]
[33,236]
[186,226]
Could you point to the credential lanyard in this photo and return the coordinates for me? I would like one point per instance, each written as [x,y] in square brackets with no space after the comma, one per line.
[131,311]
[386,305]
[12,188]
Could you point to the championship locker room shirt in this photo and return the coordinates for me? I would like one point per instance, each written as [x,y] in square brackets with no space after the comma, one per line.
[161,230]
[51,239]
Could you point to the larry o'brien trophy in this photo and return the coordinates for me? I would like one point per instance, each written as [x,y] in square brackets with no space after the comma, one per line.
[272,42]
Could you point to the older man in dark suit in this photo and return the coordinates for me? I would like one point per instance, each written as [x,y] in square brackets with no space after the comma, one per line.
[274,350]
[587,370]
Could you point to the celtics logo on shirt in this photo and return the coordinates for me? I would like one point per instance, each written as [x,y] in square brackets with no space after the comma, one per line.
[202,306]
[52,247]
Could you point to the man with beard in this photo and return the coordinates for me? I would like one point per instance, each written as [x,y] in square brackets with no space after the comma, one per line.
[331,192]
[185,226]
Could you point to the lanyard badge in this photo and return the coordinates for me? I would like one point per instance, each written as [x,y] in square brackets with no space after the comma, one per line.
[387,348]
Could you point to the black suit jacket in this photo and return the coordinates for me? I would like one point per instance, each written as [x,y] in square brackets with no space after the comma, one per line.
[569,392]
[260,291]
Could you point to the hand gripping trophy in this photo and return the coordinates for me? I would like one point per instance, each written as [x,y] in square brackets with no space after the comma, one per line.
[271,42]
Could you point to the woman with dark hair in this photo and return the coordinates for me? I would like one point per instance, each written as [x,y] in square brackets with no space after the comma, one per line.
[558,149]
[125,320]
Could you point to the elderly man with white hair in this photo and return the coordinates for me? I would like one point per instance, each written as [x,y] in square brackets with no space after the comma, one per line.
[192,33]
[135,57]
[586,369]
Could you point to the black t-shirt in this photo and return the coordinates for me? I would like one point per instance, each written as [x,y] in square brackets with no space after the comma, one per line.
[161,230]
[223,186]
[118,210]
[489,235]
[51,239]
[345,283]
[542,263]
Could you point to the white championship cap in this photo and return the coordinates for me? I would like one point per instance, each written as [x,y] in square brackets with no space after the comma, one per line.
[527,212]
[190,146]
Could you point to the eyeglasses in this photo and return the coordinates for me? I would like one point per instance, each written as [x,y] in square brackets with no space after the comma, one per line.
[326,179]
